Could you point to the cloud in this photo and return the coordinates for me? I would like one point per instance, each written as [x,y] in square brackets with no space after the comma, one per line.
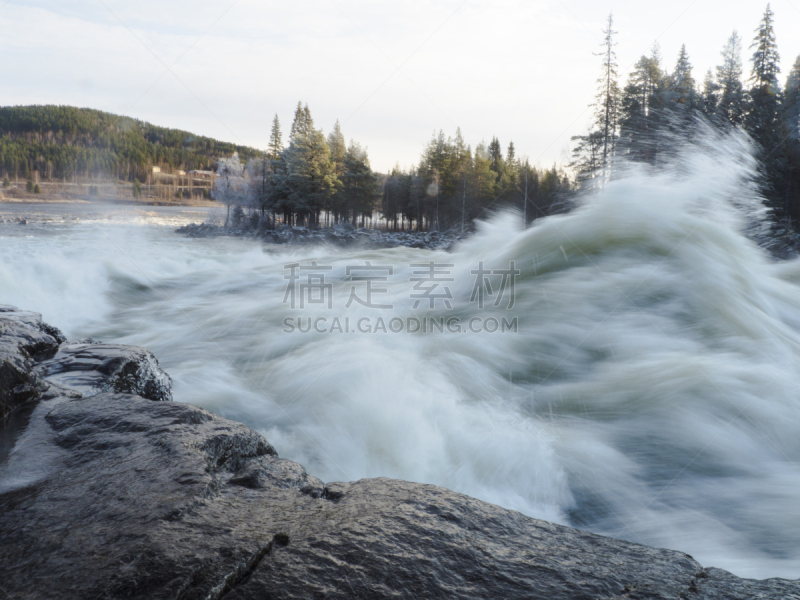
[521,70]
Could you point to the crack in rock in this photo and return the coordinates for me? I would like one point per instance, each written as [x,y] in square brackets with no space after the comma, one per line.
[246,567]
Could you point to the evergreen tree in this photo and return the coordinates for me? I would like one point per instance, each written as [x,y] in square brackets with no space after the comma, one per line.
[496,156]
[791,118]
[435,169]
[711,93]
[729,78]
[682,84]
[791,102]
[642,101]
[608,96]
[275,140]
[359,183]
[299,123]
[511,156]
[587,157]
[336,143]
[309,179]
[509,178]
[461,151]
[765,58]
[483,179]
[763,117]
[307,120]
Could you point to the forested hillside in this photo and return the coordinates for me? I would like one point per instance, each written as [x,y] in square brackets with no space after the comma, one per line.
[64,143]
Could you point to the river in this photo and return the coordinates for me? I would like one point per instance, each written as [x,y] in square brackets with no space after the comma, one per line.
[633,368]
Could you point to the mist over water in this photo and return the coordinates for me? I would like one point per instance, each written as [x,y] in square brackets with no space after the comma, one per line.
[651,392]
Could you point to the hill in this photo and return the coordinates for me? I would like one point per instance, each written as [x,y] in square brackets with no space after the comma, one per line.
[67,143]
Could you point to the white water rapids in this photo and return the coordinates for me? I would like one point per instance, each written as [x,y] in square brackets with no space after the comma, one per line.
[652,391]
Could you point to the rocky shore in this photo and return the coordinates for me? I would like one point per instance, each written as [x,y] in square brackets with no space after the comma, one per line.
[109,489]
[339,235]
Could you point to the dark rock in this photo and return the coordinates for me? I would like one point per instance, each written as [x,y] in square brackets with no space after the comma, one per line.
[92,368]
[165,500]
[23,338]
[716,584]
[342,234]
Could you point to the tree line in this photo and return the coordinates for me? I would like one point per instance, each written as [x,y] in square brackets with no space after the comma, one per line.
[453,185]
[323,181]
[65,143]
[629,121]
[314,180]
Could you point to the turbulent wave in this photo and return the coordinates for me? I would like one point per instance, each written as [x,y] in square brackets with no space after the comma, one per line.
[649,393]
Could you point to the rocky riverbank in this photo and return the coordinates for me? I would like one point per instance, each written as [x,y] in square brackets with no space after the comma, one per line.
[108,489]
[338,235]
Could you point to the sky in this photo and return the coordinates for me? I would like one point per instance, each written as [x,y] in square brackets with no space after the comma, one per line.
[392,73]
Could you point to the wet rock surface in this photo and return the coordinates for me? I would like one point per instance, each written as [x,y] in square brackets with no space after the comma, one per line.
[93,367]
[111,495]
[23,339]
[338,235]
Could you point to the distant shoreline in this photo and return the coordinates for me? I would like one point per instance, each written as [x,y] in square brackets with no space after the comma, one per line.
[191,202]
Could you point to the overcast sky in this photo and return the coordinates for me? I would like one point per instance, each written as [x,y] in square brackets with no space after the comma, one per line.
[391,72]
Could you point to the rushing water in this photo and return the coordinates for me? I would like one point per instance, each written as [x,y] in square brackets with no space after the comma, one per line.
[651,391]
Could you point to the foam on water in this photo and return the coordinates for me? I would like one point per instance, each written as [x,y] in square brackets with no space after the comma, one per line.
[651,392]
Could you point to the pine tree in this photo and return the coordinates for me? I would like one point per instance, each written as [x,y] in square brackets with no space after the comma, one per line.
[509,180]
[791,102]
[359,183]
[308,122]
[763,117]
[608,97]
[765,58]
[275,140]
[511,156]
[682,83]
[337,144]
[482,180]
[710,93]
[791,118]
[298,124]
[729,78]
[587,157]
[642,109]
[460,150]
[496,156]
[309,179]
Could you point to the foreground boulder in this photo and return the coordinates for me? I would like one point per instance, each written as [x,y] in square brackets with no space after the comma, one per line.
[23,339]
[111,495]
